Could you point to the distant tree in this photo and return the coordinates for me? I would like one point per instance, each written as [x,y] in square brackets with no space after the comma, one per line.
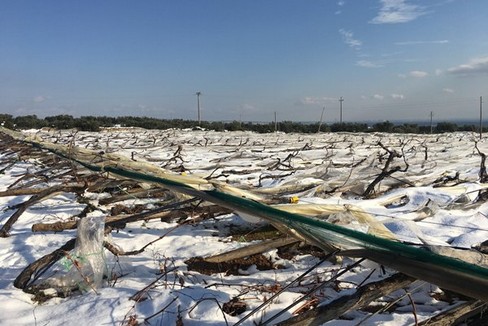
[287,126]
[468,128]
[7,121]
[233,126]
[385,126]
[408,128]
[94,123]
[87,124]
[63,121]
[349,126]
[335,127]
[28,122]
[263,127]
[446,127]
[104,121]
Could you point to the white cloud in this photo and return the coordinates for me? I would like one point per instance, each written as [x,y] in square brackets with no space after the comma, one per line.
[448,90]
[311,100]
[422,42]
[368,64]
[378,97]
[475,66]
[438,72]
[40,99]
[418,74]
[414,74]
[397,11]
[348,38]
[340,3]
[397,96]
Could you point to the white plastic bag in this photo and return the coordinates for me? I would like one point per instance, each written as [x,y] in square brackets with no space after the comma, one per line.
[85,266]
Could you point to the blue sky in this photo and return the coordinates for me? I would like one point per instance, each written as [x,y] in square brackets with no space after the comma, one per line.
[389,59]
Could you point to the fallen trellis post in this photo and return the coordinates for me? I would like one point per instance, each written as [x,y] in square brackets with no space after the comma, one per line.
[21,192]
[251,250]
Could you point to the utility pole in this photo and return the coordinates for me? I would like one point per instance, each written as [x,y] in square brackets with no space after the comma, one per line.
[431,125]
[276,122]
[198,106]
[481,117]
[340,101]
[321,118]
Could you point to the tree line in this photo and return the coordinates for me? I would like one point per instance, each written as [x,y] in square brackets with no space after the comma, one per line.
[94,123]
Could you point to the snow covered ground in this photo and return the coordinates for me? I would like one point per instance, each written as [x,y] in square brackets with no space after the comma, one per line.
[434,198]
